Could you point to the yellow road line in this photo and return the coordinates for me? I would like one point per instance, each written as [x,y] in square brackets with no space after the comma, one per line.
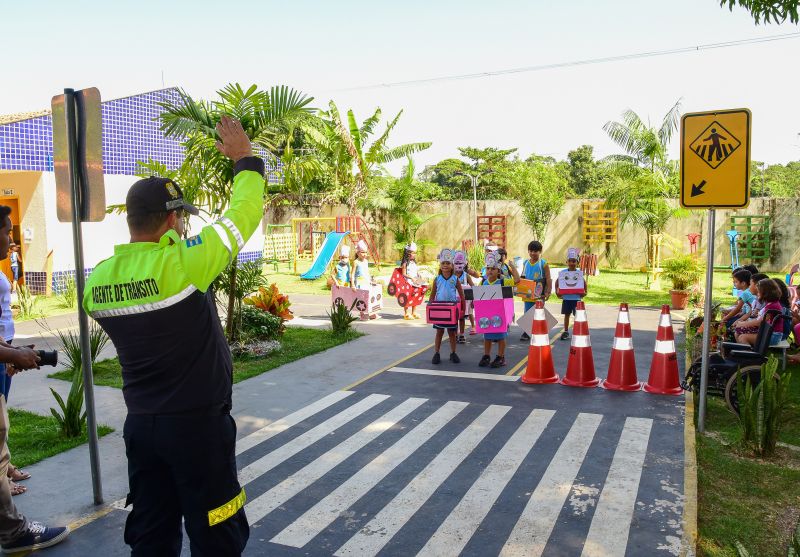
[525,360]
[393,364]
[516,368]
[90,518]
[689,542]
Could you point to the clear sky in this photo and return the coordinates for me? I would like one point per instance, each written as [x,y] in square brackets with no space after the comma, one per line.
[325,47]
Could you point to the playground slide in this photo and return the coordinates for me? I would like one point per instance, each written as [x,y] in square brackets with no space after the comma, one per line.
[326,253]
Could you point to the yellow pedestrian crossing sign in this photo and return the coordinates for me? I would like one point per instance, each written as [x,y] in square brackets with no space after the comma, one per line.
[715,159]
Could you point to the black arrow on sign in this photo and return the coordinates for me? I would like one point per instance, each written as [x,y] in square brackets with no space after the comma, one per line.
[697,190]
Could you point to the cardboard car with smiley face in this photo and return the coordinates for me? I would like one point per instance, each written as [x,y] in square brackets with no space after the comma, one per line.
[571,282]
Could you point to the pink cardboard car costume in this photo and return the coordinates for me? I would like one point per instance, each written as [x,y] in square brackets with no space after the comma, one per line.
[368,302]
[494,307]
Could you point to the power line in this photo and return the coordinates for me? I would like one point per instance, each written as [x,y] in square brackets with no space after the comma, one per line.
[587,62]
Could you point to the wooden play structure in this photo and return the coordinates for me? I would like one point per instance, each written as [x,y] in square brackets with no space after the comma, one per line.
[493,228]
[599,223]
[754,236]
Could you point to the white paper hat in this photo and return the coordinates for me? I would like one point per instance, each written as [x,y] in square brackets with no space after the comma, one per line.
[573,253]
[492,260]
[412,246]
[446,255]
[345,251]
[361,246]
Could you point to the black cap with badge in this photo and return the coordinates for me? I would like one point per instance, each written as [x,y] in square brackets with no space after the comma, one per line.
[156,195]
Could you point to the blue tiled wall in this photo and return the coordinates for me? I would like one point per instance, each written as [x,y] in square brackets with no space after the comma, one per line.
[130,135]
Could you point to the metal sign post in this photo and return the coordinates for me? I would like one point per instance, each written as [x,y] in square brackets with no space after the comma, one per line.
[701,417]
[715,172]
[76,138]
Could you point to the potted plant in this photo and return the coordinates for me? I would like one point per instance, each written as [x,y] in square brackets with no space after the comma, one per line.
[684,271]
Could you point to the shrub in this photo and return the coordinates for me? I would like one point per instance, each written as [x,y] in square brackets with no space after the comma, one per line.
[271,300]
[761,407]
[69,296]
[341,318]
[28,303]
[260,325]
[72,418]
[683,270]
[476,257]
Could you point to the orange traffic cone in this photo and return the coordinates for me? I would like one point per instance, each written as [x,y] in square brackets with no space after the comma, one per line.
[621,374]
[540,359]
[664,378]
[580,367]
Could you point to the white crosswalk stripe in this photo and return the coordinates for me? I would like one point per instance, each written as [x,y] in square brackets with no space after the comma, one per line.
[295,418]
[274,458]
[608,535]
[448,440]
[262,505]
[316,519]
[533,528]
[457,529]
[377,533]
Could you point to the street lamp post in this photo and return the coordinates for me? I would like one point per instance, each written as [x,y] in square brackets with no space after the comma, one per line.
[473,178]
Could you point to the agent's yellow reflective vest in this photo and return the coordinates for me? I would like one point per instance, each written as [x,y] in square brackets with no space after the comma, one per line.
[154,301]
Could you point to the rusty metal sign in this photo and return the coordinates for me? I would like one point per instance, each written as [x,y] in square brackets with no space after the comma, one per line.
[86,123]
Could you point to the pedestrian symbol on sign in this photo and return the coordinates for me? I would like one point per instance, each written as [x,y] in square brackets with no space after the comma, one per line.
[715,145]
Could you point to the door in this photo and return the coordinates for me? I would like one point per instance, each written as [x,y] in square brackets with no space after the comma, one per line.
[16,236]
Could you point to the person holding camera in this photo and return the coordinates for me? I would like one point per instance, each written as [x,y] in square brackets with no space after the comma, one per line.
[17,533]
[154,299]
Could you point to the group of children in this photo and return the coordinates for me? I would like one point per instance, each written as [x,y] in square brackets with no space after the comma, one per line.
[455,273]
[758,294]
[356,275]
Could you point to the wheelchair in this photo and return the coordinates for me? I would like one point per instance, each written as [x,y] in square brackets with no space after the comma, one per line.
[736,360]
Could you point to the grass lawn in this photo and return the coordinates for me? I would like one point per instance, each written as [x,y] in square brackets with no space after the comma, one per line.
[297,343]
[754,501]
[613,286]
[46,307]
[33,437]
[289,283]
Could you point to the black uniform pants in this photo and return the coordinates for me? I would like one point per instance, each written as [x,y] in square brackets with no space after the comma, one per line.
[183,466]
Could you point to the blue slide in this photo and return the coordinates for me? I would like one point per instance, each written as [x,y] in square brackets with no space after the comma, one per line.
[325,255]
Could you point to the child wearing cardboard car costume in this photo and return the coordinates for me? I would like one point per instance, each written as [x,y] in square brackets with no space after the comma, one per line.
[411,272]
[493,266]
[360,273]
[570,287]
[446,288]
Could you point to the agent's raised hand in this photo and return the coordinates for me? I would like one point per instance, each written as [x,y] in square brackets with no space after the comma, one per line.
[234,142]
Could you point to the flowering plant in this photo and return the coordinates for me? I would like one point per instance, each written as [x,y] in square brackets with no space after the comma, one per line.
[271,300]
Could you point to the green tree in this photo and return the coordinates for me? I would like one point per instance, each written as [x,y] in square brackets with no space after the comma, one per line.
[344,146]
[541,190]
[770,11]
[643,179]
[585,174]
[404,198]
[775,180]
[265,116]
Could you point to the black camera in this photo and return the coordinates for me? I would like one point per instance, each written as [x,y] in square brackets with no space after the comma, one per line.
[47,357]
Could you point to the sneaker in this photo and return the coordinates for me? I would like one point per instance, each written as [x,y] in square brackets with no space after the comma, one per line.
[461,339]
[525,336]
[472,331]
[499,361]
[565,335]
[485,360]
[454,358]
[38,536]
[436,359]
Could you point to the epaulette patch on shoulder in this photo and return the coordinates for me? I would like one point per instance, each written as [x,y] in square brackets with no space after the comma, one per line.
[193,241]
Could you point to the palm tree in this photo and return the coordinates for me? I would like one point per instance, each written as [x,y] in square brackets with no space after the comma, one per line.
[401,197]
[645,178]
[266,115]
[351,158]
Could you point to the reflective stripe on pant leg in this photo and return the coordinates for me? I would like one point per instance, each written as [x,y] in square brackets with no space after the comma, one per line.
[224,512]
